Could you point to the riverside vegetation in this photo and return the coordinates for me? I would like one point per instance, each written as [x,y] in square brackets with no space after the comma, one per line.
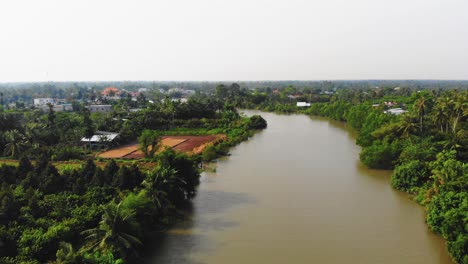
[88,211]
[426,147]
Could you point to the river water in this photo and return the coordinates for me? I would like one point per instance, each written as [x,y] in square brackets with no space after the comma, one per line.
[297,193]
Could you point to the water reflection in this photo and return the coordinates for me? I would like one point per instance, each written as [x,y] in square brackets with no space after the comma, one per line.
[190,236]
[297,193]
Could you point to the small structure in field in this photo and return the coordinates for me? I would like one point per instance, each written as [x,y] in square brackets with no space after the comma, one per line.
[100,139]
[395,111]
[302,104]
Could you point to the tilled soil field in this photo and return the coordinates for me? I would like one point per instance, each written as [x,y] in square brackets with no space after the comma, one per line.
[187,144]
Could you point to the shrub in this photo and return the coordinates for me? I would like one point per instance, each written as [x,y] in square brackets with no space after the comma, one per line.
[409,175]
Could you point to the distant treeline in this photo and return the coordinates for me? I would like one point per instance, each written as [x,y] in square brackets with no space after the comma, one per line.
[26,91]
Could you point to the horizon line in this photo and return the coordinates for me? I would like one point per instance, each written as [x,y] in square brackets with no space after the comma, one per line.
[233,81]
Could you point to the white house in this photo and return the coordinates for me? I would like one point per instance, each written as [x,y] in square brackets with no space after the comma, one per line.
[43,101]
[302,104]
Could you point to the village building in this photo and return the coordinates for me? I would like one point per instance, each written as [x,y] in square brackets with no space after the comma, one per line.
[100,108]
[57,108]
[43,101]
[111,93]
[302,104]
[101,139]
[395,111]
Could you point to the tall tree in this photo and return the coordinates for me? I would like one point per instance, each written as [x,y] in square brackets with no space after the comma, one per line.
[16,143]
[158,183]
[87,124]
[440,115]
[460,105]
[420,106]
[117,231]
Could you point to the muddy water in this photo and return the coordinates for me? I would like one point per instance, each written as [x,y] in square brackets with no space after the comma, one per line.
[296,193]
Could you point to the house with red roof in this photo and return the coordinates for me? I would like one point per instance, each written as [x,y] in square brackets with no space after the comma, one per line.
[111,92]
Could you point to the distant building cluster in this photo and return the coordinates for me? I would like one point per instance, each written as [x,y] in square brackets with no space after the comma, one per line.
[182,92]
[58,105]
[98,101]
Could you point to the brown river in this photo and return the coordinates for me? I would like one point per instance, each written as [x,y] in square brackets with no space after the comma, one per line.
[297,193]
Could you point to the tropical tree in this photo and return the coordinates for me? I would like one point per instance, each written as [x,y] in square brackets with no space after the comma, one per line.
[16,143]
[446,167]
[440,115]
[460,105]
[407,125]
[87,124]
[33,133]
[66,254]
[158,183]
[149,142]
[420,107]
[117,231]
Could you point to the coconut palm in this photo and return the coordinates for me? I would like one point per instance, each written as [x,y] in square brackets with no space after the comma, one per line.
[460,104]
[441,113]
[420,106]
[33,132]
[16,143]
[117,231]
[158,183]
[407,126]
[66,254]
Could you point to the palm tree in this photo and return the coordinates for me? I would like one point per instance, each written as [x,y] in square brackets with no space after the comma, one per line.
[407,125]
[117,231]
[158,183]
[33,132]
[16,143]
[420,106]
[441,114]
[460,104]
[66,254]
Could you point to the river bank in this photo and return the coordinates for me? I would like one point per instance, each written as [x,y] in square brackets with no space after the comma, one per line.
[296,192]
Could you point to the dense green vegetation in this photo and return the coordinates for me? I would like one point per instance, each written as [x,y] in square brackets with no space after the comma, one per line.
[98,215]
[84,214]
[93,214]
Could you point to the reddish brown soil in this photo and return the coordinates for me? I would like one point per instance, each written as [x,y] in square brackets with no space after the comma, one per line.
[135,155]
[193,142]
[119,152]
[187,144]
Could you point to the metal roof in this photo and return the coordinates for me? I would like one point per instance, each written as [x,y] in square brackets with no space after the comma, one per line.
[101,138]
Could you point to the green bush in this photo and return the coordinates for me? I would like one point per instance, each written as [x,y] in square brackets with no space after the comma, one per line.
[380,155]
[67,153]
[257,122]
[409,175]
[209,153]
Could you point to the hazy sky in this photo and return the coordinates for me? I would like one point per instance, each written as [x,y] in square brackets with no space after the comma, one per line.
[63,40]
